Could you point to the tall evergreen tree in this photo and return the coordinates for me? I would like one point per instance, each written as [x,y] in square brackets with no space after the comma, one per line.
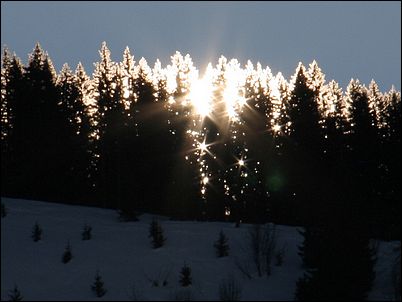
[38,122]
[110,119]
[12,86]
[304,146]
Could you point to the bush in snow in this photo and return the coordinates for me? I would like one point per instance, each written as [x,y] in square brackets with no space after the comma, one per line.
[15,294]
[86,233]
[67,255]
[229,290]
[185,276]
[3,210]
[262,242]
[98,286]
[36,232]
[156,233]
[221,245]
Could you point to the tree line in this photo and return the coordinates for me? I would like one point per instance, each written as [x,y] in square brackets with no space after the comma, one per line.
[268,149]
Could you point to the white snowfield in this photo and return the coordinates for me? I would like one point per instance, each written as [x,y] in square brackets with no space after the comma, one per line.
[128,265]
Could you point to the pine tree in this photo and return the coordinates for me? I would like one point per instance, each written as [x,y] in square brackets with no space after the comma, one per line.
[336,255]
[185,276]
[156,233]
[221,245]
[86,232]
[110,121]
[303,149]
[86,134]
[36,232]
[42,126]
[15,294]
[12,88]
[67,255]
[98,286]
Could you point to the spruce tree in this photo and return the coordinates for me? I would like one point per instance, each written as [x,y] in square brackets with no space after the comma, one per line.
[98,286]
[67,255]
[336,257]
[12,90]
[15,294]
[42,126]
[303,149]
[156,233]
[185,276]
[221,245]
[36,232]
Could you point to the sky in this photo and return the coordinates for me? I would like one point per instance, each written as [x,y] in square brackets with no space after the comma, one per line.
[348,39]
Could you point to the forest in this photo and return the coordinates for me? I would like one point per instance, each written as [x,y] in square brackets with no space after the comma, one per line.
[235,144]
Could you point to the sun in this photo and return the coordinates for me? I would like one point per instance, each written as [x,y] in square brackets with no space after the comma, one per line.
[200,97]
[201,93]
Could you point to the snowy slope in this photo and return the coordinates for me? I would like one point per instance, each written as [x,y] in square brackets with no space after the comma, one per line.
[123,255]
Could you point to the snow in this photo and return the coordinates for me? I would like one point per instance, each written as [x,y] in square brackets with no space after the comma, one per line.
[123,255]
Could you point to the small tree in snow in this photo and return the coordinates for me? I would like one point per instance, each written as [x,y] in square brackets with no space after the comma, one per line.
[98,286]
[221,245]
[15,294]
[36,232]
[185,276]
[156,233]
[86,233]
[67,255]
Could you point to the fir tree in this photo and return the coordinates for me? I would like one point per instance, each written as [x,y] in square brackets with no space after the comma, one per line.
[12,90]
[98,286]
[36,232]
[221,245]
[156,233]
[338,255]
[185,276]
[67,255]
[15,294]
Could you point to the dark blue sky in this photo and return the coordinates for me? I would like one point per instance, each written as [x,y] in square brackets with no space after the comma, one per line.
[348,39]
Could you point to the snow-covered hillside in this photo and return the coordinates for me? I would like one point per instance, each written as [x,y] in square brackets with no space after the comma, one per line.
[123,254]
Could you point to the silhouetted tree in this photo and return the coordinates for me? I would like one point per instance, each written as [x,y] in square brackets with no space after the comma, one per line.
[98,286]
[221,245]
[15,294]
[156,233]
[36,232]
[67,255]
[336,256]
[185,276]
[12,87]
